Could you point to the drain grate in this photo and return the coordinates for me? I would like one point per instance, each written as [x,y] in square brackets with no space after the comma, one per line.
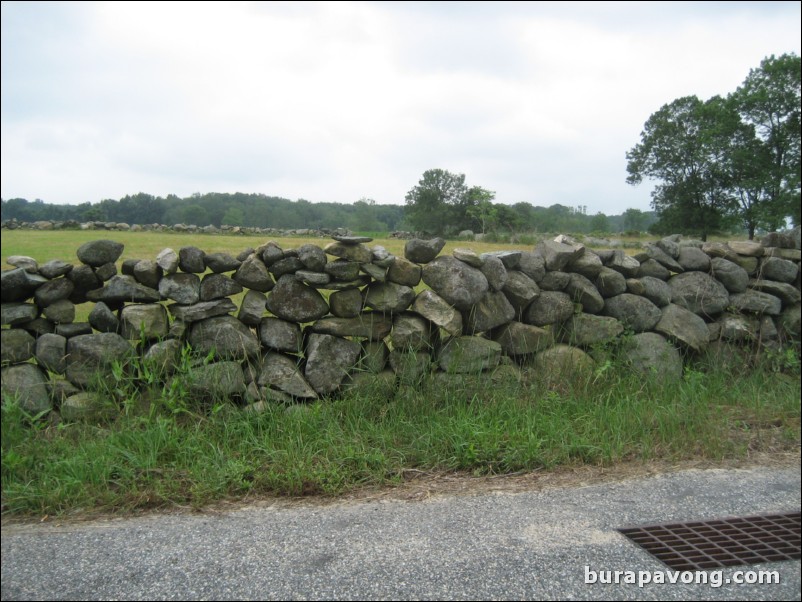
[721,543]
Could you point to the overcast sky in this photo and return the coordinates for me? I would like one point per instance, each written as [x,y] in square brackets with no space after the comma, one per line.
[331,101]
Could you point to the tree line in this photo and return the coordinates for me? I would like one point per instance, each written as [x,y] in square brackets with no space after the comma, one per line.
[727,160]
[364,215]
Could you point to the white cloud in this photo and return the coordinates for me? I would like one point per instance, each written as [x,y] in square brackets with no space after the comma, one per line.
[336,101]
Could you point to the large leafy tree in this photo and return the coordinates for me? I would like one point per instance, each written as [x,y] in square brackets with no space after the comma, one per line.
[769,102]
[682,147]
[440,203]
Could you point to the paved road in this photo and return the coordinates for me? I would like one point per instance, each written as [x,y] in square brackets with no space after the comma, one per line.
[523,545]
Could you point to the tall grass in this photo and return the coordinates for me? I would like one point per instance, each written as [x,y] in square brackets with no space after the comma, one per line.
[217,451]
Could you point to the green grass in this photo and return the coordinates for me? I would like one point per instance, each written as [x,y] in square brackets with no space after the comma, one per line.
[197,455]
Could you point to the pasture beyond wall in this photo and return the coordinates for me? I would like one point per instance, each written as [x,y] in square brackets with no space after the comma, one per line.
[290,325]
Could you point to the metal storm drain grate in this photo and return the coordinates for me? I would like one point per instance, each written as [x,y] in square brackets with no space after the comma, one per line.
[720,543]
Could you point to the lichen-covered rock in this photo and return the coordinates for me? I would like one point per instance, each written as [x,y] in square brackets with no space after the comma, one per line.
[342,270]
[281,372]
[517,338]
[787,293]
[555,281]
[201,311]
[346,304]
[623,263]
[456,282]
[164,356]
[699,293]
[17,346]
[217,380]
[87,406]
[368,325]
[655,290]
[121,289]
[19,284]
[589,264]
[731,275]
[423,251]
[738,328]
[167,259]
[684,327]
[280,335]
[358,253]
[490,311]
[584,330]
[531,264]
[388,297]
[182,288]
[52,291]
[636,313]
[410,367]
[220,262]
[55,268]
[253,274]
[650,354]
[558,255]
[549,307]
[148,321]
[90,355]
[581,290]
[294,301]
[403,271]
[190,259]
[469,354]
[51,352]
[411,333]
[147,272]
[218,286]
[653,269]
[563,362]
[610,283]
[97,252]
[781,270]
[225,337]
[328,361]
[438,311]
[495,272]
[28,384]
[102,319]
[520,290]
[252,308]
[756,302]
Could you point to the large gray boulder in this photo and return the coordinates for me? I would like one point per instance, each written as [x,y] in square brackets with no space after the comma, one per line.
[469,354]
[60,312]
[225,337]
[684,327]
[253,274]
[756,302]
[252,308]
[369,325]
[423,251]
[346,304]
[655,290]
[90,355]
[97,252]
[52,291]
[563,362]
[181,287]
[103,319]
[328,361]
[492,310]
[731,275]
[280,335]
[218,286]
[51,352]
[517,338]
[581,290]
[520,289]
[787,293]
[19,284]
[458,283]
[495,272]
[549,307]
[699,293]
[294,301]
[17,346]
[147,272]
[584,330]
[87,406]
[438,311]
[281,372]
[148,321]
[693,259]
[201,311]
[312,257]
[649,354]
[123,289]
[636,313]
[558,255]
[411,333]
[388,297]
[26,383]
[190,259]
[403,271]
[358,253]
[216,381]
[781,270]
[531,264]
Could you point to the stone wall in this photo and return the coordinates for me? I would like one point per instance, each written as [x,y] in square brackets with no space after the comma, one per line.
[311,322]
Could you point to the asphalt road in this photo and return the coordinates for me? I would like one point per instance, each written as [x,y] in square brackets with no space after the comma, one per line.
[496,545]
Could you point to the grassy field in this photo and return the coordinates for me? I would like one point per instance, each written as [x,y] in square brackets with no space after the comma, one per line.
[167,450]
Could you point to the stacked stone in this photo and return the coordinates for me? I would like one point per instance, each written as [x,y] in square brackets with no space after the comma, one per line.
[480,313]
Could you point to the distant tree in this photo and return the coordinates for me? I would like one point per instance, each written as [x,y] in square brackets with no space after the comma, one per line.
[600,223]
[634,220]
[682,147]
[480,208]
[438,203]
[769,100]
[234,216]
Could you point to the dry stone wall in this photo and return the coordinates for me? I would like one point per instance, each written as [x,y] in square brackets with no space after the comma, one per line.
[312,322]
